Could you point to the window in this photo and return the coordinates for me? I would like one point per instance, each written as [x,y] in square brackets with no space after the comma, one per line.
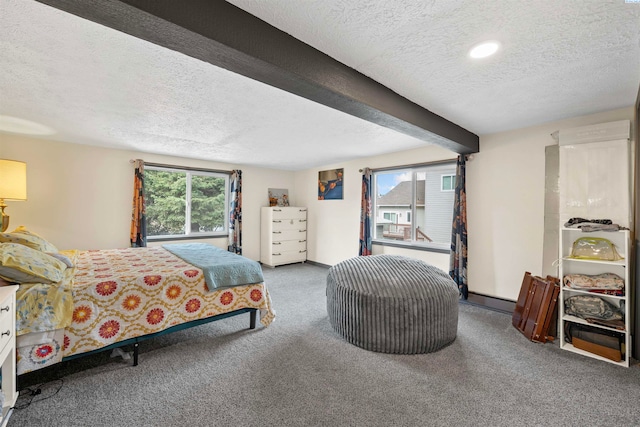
[185,203]
[448,183]
[390,216]
[413,206]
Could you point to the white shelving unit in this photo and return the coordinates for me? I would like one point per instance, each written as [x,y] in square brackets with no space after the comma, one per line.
[569,265]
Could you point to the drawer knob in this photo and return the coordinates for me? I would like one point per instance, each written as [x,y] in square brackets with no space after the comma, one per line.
[277,232]
[277,254]
[302,220]
[276,243]
[302,252]
[301,241]
[5,308]
[6,333]
[276,220]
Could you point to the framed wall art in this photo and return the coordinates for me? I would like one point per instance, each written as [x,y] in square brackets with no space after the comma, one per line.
[330,184]
[278,197]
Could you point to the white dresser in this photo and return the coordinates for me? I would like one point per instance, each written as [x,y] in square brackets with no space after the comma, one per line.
[283,235]
[8,349]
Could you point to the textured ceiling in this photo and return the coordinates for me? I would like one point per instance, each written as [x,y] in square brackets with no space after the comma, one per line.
[97,86]
[559,59]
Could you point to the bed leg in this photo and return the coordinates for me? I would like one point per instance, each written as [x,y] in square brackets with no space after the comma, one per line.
[135,354]
[252,319]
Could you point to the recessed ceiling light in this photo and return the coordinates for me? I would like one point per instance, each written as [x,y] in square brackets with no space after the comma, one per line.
[484,49]
[27,127]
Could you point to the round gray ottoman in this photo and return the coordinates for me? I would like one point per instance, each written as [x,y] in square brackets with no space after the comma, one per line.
[392,304]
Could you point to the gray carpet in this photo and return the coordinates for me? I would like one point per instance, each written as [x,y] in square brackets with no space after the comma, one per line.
[299,372]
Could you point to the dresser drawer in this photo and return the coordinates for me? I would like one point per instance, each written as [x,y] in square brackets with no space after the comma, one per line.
[286,235]
[289,224]
[6,324]
[289,257]
[289,213]
[8,387]
[289,245]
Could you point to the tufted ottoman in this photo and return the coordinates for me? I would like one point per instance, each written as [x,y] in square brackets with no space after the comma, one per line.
[392,304]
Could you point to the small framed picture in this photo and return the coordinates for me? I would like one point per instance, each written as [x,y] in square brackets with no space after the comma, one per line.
[330,184]
[278,197]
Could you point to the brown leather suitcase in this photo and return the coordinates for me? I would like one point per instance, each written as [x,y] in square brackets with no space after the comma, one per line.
[518,313]
[535,308]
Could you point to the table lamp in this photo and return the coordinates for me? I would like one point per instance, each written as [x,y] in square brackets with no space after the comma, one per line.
[13,185]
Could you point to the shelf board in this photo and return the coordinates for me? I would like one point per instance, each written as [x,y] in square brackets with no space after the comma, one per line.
[621,262]
[570,347]
[591,232]
[582,291]
[575,319]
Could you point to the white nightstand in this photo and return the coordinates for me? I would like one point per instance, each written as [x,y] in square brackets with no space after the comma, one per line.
[8,349]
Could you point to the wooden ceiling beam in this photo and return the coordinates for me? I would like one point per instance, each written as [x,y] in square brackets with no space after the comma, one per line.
[228,37]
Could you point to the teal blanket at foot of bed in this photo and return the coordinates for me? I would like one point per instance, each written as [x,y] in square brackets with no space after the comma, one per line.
[221,269]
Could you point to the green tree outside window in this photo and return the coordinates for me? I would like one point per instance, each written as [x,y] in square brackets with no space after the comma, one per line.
[174,199]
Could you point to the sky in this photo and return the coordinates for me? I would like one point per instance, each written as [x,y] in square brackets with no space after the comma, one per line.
[386,181]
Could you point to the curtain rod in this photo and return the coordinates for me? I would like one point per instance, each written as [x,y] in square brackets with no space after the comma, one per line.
[164,165]
[413,165]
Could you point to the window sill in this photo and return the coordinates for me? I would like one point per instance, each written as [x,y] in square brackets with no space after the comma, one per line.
[168,239]
[411,246]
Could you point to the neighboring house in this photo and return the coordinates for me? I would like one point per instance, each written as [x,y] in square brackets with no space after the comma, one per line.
[393,211]
[433,208]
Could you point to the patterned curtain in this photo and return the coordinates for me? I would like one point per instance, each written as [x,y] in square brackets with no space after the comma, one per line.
[458,257]
[138,234]
[235,213]
[365,214]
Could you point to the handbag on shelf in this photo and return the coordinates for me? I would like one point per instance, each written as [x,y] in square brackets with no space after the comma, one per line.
[592,307]
[595,248]
[596,281]
[604,343]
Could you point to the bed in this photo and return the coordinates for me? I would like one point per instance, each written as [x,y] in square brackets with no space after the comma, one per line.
[106,299]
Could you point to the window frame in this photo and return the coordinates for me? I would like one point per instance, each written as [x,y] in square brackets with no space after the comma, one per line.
[413,243]
[190,172]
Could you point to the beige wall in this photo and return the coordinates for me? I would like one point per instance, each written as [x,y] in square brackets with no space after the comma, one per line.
[334,225]
[505,204]
[79,196]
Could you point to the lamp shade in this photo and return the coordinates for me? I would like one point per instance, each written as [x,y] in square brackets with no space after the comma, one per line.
[13,180]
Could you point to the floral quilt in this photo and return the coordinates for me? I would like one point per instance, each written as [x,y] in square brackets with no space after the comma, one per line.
[120,294]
